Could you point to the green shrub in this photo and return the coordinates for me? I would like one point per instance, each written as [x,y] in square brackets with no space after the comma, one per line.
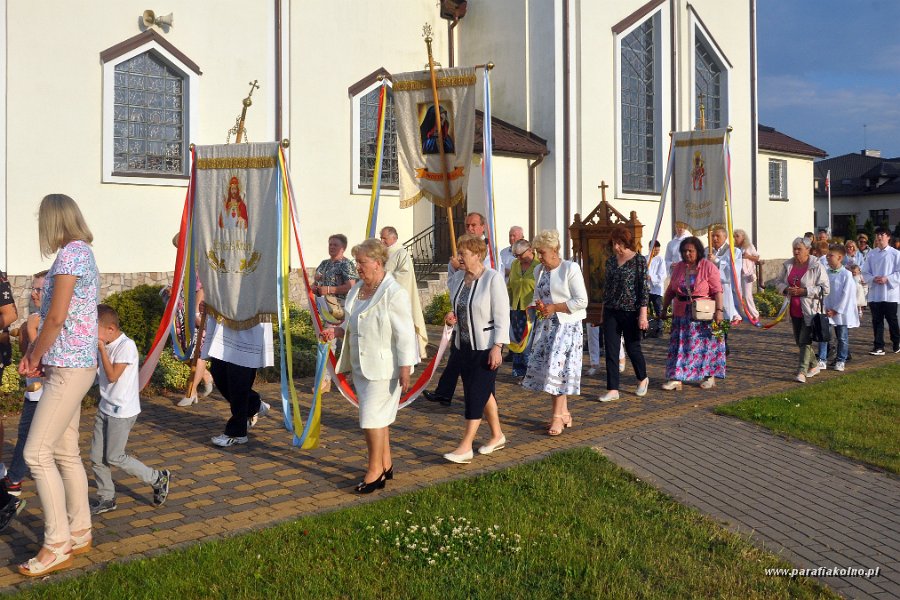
[171,374]
[437,309]
[303,346]
[140,312]
[768,302]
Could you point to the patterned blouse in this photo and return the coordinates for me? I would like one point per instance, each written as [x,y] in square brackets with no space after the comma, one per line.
[335,273]
[76,345]
[626,287]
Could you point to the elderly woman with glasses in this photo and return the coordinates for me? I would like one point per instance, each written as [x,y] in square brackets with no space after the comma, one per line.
[804,281]
[561,298]
[521,291]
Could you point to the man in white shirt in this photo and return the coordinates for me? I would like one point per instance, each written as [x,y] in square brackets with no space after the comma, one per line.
[673,248]
[400,265]
[516,233]
[881,271]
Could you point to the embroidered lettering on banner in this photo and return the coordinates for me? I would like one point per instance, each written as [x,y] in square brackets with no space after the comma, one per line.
[426,174]
[412,85]
[238,162]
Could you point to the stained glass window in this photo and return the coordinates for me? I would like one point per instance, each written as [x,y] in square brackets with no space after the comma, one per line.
[368,132]
[639,108]
[708,83]
[148,117]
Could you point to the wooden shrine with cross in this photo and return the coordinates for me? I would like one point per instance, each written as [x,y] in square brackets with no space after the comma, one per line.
[590,246]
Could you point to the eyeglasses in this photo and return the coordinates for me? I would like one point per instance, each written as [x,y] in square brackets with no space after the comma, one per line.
[38,290]
[521,254]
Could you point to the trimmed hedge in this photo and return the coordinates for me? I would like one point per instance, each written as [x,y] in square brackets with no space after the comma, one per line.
[140,312]
[437,309]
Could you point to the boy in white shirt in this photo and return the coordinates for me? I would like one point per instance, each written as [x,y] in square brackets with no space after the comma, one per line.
[656,277]
[840,303]
[120,404]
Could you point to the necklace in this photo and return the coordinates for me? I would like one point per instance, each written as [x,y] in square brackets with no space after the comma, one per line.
[365,295]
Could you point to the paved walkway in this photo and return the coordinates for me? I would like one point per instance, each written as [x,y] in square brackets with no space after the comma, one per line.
[219,492]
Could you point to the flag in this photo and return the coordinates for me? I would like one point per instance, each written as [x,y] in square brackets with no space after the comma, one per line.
[236,231]
[422,174]
[700,178]
[828,181]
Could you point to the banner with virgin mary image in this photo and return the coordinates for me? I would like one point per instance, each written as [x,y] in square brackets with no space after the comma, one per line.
[700,177]
[422,132]
[236,230]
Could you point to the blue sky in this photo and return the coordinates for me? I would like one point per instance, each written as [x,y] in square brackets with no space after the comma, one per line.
[828,67]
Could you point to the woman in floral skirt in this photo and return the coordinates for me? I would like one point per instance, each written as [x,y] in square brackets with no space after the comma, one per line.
[696,353]
[561,299]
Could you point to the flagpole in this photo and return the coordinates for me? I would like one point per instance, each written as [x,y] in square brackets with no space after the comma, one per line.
[828,187]
[440,132]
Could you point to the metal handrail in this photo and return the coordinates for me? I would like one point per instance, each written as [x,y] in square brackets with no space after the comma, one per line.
[421,249]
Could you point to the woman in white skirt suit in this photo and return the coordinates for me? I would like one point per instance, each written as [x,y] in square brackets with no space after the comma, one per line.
[380,350]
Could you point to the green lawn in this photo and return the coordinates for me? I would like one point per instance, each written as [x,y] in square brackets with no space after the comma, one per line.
[570,526]
[855,414]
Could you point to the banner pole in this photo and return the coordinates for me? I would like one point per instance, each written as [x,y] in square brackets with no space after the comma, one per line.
[440,132]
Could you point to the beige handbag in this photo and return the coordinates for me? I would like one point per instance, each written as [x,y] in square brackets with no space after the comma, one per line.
[703,309]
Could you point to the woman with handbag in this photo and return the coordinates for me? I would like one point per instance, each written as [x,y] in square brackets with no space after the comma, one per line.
[805,281]
[695,293]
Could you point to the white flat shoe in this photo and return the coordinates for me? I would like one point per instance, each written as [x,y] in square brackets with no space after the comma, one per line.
[462,459]
[671,385]
[609,396]
[642,387]
[708,383]
[188,401]
[488,448]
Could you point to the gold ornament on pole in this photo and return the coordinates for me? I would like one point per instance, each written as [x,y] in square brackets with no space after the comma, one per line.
[238,130]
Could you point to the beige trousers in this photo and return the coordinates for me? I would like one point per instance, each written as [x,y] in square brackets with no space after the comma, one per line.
[52,454]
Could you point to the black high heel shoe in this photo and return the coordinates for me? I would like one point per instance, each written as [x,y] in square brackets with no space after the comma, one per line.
[367,488]
[389,474]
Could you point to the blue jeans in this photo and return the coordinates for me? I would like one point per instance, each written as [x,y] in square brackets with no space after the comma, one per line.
[842,335]
[18,469]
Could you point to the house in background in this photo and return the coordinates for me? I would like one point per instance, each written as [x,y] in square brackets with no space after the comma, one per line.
[785,170]
[864,186]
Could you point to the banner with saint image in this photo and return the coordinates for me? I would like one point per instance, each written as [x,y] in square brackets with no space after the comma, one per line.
[700,178]
[419,144]
[236,233]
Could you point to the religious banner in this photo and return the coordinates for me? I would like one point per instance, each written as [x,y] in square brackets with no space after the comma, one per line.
[700,178]
[235,221]
[420,151]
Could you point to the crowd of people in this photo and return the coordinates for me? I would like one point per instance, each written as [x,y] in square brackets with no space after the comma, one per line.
[534,301]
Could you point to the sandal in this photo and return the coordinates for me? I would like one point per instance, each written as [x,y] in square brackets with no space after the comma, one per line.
[82,543]
[62,559]
[565,420]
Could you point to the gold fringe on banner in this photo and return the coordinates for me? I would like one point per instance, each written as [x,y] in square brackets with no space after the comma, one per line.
[240,325]
[438,201]
[412,85]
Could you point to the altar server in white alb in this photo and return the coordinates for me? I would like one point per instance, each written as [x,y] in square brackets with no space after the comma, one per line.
[720,255]
[881,272]
[840,303]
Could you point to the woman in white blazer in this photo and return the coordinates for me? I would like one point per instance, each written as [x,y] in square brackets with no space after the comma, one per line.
[379,349]
[561,299]
[480,316]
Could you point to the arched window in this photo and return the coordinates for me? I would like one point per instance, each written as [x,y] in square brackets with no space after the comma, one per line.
[365,95]
[640,106]
[147,107]
[710,83]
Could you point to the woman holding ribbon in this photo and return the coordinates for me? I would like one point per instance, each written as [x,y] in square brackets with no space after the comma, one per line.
[380,350]
[521,292]
[561,299]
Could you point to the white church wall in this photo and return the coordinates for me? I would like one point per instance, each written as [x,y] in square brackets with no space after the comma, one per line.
[55,108]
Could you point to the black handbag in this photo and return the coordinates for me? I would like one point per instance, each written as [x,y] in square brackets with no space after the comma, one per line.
[821,327]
